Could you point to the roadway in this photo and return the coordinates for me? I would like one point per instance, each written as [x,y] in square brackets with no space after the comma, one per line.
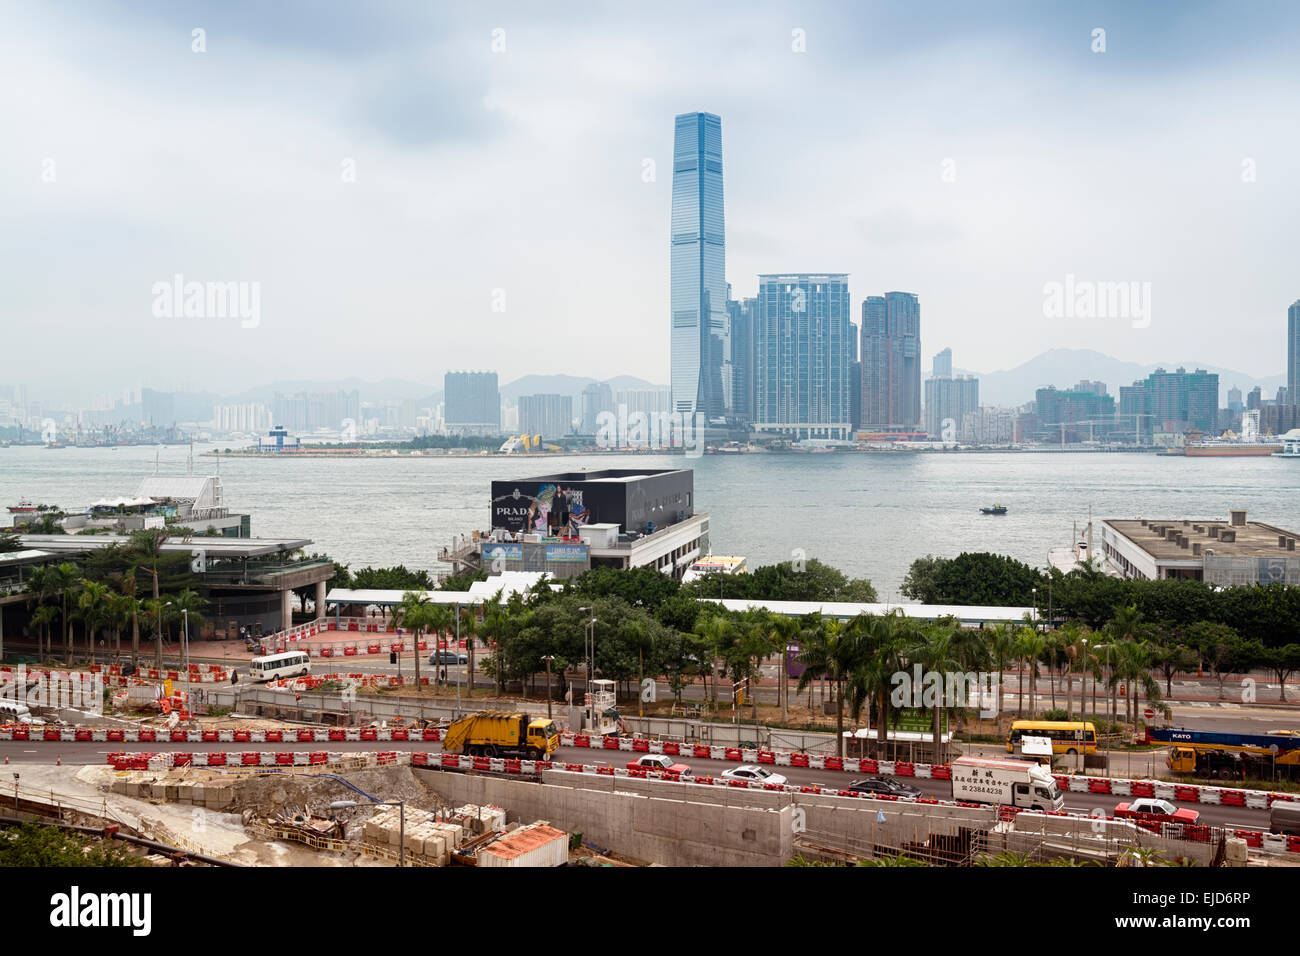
[96,753]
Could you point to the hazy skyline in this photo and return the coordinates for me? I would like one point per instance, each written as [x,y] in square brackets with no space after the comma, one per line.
[389,182]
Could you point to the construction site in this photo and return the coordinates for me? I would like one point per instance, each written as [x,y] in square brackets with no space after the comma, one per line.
[278,783]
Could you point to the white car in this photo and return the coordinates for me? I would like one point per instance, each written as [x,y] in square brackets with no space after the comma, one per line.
[753,773]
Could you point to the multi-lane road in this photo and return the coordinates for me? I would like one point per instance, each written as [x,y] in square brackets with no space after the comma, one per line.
[20,752]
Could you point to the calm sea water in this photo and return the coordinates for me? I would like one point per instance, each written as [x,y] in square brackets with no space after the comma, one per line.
[870,515]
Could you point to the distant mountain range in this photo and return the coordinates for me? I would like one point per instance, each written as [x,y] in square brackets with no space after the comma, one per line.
[1016,386]
[396,389]
[1066,367]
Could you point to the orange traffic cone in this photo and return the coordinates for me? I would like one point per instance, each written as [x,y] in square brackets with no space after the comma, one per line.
[6,758]
[59,761]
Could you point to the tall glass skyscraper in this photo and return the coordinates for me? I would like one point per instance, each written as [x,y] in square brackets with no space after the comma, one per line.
[1293,353]
[701,347]
[802,356]
[891,362]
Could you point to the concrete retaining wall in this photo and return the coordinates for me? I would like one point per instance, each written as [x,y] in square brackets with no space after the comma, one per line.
[644,819]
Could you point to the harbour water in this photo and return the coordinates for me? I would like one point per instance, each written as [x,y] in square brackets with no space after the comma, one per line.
[869,515]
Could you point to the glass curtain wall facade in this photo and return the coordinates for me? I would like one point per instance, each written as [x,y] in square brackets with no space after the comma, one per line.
[1293,353]
[803,356]
[701,347]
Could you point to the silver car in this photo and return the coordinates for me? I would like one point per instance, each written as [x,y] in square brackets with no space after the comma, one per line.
[755,774]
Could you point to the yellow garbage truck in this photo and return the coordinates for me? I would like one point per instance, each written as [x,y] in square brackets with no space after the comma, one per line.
[498,733]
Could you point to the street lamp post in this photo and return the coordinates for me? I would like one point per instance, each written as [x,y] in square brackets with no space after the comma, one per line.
[185,642]
[401,821]
[548,658]
[589,644]
[1083,696]
[160,633]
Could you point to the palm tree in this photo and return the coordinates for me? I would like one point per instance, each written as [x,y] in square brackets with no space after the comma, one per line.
[440,619]
[93,604]
[1002,647]
[413,614]
[492,628]
[121,610]
[469,629]
[188,607]
[755,644]
[783,631]
[148,543]
[44,618]
[836,649]
[1054,644]
[1133,661]
[156,610]
[61,579]
[1029,645]
[937,653]
[718,632]
[1124,626]
[128,588]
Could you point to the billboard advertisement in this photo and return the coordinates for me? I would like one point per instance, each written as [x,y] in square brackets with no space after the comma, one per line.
[540,508]
[566,552]
[503,552]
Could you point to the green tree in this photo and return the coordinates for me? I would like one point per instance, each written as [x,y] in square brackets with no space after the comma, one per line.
[1219,646]
[32,845]
[837,649]
[94,609]
[1283,662]
[716,632]
[921,583]
[973,578]
[1030,644]
[397,578]
[58,583]
[1002,647]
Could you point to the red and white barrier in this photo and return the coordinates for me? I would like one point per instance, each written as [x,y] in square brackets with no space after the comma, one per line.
[283,759]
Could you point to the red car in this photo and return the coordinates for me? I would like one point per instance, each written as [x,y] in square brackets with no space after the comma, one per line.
[659,762]
[1149,812]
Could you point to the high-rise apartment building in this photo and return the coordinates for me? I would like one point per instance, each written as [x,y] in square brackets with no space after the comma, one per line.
[646,400]
[1174,401]
[1293,353]
[306,412]
[802,356]
[701,347]
[942,367]
[949,400]
[550,416]
[597,397]
[740,316]
[471,403]
[1071,415]
[891,362]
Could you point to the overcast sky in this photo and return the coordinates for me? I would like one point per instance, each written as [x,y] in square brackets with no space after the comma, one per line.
[409,199]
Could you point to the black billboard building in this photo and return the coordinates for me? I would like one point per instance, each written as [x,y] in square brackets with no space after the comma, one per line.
[567,522]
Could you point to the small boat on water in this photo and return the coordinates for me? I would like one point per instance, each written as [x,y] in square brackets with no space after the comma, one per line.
[995,510]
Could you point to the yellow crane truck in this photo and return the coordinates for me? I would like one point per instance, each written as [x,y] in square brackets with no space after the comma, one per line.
[1228,755]
[498,733]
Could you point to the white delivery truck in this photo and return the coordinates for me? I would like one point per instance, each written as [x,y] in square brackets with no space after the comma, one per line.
[1011,783]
